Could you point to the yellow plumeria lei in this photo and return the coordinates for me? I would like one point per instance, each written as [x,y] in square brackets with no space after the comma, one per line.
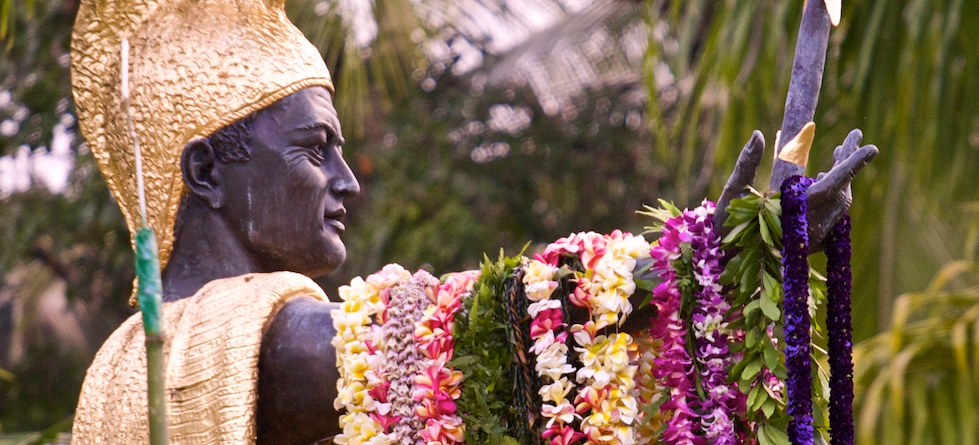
[359,348]
[606,398]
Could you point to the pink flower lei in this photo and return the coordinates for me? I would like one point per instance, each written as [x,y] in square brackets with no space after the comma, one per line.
[437,387]
[394,340]
[363,387]
[551,349]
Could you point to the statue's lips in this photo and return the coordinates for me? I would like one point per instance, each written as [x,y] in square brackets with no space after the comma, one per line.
[333,218]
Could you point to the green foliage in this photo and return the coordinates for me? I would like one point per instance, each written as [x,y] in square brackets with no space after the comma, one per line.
[665,211]
[370,76]
[754,276]
[80,238]
[485,356]
[918,382]
[903,71]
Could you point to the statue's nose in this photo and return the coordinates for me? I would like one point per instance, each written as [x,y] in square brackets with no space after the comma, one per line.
[345,183]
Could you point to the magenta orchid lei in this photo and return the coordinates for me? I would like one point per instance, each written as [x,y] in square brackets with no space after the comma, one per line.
[694,420]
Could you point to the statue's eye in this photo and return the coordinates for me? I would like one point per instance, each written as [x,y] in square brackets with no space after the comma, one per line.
[317,153]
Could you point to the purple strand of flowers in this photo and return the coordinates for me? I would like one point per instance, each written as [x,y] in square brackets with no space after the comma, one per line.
[406,305]
[722,402]
[710,420]
[795,253]
[674,368]
[839,282]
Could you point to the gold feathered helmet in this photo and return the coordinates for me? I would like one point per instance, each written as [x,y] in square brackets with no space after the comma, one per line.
[195,67]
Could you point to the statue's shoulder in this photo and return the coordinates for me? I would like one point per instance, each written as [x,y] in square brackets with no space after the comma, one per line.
[274,288]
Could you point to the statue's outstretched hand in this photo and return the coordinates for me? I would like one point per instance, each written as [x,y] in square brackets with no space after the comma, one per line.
[829,197]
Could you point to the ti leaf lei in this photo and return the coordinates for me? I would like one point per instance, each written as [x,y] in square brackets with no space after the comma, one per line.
[484,354]
[754,279]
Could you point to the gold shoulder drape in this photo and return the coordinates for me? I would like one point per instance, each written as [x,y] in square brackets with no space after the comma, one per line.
[212,347]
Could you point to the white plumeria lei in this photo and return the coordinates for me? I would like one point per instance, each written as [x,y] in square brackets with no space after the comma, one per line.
[608,368]
[551,350]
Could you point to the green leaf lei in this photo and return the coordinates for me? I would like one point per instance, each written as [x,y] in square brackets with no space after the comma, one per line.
[485,355]
[754,279]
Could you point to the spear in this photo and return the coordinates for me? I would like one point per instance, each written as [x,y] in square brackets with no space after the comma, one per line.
[148,289]
[804,85]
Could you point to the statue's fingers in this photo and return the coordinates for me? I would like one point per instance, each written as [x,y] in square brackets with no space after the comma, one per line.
[842,173]
[745,169]
[850,145]
[838,154]
[742,176]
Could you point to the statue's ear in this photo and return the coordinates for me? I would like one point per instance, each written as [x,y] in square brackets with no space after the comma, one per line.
[197,163]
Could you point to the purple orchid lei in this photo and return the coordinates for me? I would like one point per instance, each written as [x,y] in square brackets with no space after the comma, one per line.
[795,257]
[674,369]
[694,420]
[838,323]
[722,400]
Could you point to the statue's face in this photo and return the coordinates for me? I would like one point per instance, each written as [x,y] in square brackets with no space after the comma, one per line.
[286,202]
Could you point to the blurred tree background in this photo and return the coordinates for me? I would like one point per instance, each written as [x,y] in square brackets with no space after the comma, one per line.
[480,124]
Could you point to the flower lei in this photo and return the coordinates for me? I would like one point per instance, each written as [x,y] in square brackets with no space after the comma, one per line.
[550,347]
[438,386]
[394,338]
[649,394]
[795,253]
[605,402]
[404,360]
[361,388]
[722,400]
[797,327]
[838,323]
[690,238]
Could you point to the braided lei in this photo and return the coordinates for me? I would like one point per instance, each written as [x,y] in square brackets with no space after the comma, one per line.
[395,340]
[394,383]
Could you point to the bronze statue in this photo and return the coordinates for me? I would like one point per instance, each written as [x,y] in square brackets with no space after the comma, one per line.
[245,180]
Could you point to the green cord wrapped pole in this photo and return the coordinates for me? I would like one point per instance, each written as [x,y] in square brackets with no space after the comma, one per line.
[148,294]
[148,288]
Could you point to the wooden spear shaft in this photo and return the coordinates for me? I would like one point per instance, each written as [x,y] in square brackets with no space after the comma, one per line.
[148,289]
[807,78]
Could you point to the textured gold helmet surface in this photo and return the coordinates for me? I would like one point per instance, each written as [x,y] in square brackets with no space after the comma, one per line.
[195,67]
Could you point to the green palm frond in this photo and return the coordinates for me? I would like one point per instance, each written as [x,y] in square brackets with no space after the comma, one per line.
[376,49]
[917,383]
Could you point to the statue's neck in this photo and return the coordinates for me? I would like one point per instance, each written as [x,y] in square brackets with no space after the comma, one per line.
[205,249]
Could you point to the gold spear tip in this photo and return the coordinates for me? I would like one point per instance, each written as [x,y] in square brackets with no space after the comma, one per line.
[797,150]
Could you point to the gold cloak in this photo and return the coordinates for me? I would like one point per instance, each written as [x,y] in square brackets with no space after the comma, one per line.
[212,346]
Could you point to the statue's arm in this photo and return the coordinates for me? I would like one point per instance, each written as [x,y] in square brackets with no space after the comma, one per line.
[297,375]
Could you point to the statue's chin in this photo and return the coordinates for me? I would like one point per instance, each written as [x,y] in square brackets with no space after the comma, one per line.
[328,260]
